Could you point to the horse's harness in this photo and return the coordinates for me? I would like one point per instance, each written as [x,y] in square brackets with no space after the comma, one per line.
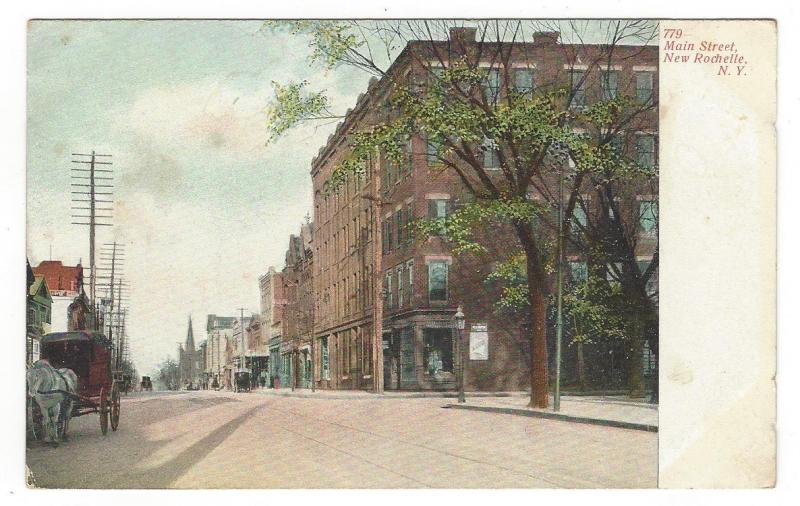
[59,391]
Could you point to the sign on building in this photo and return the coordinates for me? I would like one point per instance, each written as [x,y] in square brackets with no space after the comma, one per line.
[479,342]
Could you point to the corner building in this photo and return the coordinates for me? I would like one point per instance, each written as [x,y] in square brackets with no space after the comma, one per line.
[385,304]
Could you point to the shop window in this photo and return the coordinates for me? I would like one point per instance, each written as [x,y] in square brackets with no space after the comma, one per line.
[325,359]
[437,281]
[438,351]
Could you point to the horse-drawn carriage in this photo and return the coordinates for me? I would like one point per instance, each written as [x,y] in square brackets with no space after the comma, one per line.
[241,380]
[88,355]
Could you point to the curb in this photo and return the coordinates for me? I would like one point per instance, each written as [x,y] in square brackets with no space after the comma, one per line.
[559,416]
[393,395]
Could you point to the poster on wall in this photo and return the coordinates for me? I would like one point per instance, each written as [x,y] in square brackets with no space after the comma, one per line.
[479,342]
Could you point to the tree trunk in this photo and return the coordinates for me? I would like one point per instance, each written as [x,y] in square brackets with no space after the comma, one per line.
[538,305]
[581,367]
[635,378]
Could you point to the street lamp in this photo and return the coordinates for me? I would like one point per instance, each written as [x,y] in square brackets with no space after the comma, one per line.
[459,317]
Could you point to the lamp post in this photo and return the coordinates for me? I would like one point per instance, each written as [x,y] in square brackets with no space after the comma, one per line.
[459,317]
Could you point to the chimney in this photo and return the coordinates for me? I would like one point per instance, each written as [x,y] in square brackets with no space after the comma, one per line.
[545,38]
[463,34]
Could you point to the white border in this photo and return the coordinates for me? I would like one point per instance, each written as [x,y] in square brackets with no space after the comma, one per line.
[12,210]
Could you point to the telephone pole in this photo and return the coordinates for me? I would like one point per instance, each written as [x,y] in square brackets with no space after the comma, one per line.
[85,184]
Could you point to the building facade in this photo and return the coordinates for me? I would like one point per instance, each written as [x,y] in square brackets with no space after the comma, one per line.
[39,309]
[65,283]
[218,335]
[385,304]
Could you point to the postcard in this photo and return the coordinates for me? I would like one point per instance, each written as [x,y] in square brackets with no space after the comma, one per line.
[400,253]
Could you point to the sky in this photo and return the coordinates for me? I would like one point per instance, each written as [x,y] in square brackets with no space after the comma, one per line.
[201,204]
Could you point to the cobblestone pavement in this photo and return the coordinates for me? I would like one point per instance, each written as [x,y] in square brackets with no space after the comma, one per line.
[226,440]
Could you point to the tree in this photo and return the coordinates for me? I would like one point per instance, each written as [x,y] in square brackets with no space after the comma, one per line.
[463,97]
[168,374]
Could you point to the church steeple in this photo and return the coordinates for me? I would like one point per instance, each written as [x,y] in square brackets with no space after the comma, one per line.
[190,337]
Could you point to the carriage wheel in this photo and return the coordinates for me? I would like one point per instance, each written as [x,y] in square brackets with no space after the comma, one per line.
[115,406]
[103,411]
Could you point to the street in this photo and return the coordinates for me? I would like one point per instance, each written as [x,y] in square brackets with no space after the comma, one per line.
[212,439]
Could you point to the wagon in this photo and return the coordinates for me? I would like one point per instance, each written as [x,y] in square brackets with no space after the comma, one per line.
[147,384]
[88,354]
[241,381]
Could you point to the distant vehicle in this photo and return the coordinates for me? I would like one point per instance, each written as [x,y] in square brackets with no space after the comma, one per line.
[241,381]
[147,385]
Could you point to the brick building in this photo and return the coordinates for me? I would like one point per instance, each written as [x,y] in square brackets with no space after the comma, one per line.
[384,304]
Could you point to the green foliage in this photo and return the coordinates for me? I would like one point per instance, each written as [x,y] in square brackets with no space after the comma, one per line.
[331,42]
[292,105]
[598,311]
[460,226]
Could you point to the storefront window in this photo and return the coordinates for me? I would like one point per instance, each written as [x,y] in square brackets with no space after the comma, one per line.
[438,353]
[325,358]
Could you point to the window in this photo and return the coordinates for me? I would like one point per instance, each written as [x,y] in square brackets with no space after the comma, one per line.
[578,271]
[325,359]
[410,278]
[437,281]
[409,217]
[491,86]
[648,215]
[617,143]
[400,283]
[579,220]
[644,87]
[433,149]
[646,150]
[387,286]
[386,241]
[609,84]
[652,282]
[491,154]
[437,209]
[523,81]
[577,84]
[438,351]
[398,219]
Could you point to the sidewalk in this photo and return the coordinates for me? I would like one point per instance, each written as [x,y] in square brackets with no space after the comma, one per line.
[617,411]
[611,411]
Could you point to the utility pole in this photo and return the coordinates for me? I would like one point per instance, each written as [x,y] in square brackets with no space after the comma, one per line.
[559,291]
[242,347]
[377,277]
[85,182]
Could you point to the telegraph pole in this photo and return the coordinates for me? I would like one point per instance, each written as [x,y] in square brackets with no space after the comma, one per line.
[85,182]
[559,291]
[377,278]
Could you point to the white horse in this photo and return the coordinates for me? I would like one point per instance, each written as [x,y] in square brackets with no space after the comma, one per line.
[50,388]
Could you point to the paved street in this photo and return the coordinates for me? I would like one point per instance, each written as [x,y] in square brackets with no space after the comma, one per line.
[226,440]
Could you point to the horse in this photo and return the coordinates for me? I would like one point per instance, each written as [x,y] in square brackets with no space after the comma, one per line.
[52,391]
